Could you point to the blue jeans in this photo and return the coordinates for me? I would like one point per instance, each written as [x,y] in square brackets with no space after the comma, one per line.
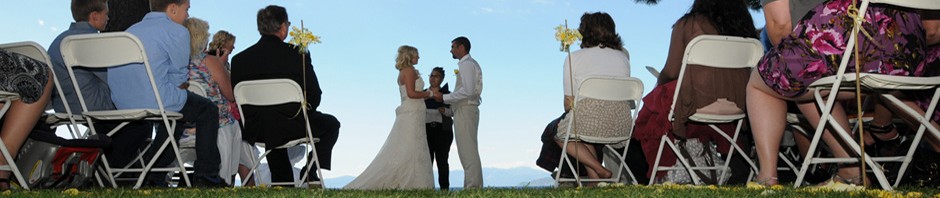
[205,116]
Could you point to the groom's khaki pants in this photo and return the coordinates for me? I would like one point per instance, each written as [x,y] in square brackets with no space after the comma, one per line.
[466,123]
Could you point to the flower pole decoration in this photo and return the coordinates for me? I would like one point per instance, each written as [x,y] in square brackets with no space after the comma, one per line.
[858,18]
[567,37]
[303,38]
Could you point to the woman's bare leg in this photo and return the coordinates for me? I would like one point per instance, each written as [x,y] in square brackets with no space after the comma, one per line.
[812,114]
[243,173]
[767,114]
[882,117]
[586,155]
[19,122]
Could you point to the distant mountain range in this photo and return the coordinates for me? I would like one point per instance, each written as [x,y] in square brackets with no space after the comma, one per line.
[519,177]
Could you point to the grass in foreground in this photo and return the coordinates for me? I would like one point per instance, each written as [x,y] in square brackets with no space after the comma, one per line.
[616,191]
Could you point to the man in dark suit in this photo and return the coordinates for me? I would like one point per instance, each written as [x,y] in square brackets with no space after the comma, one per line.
[271,58]
[440,128]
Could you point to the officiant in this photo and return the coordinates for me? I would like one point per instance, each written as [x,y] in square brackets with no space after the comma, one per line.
[440,127]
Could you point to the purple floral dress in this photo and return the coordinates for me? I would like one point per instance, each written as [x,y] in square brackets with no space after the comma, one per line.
[815,48]
[931,67]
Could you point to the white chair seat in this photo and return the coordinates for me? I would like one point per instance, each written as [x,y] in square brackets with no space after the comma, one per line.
[131,114]
[293,143]
[715,118]
[62,118]
[882,81]
[9,94]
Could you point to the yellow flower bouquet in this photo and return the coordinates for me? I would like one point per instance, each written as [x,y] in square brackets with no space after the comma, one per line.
[302,38]
[566,36]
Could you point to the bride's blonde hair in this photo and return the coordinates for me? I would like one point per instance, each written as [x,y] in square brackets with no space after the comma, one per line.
[405,54]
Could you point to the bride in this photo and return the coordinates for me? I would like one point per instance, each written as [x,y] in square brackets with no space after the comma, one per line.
[403,161]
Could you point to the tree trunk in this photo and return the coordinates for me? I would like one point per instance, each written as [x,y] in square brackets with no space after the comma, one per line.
[124,13]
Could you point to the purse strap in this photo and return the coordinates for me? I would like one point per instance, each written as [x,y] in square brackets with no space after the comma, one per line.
[684,151]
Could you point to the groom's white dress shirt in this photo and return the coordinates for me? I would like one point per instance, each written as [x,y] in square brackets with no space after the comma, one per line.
[466,101]
[469,83]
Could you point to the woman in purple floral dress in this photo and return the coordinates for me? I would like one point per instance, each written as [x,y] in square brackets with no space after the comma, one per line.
[813,51]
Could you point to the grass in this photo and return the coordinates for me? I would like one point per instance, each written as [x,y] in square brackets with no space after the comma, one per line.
[618,191]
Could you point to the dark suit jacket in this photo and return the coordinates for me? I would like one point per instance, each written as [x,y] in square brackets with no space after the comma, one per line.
[447,121]
[272,58]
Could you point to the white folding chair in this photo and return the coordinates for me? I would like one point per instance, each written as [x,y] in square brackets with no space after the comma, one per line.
[878,84]
[118,49]
[602,92]
[7,98]
[725,52]
[275,92]
[35,51]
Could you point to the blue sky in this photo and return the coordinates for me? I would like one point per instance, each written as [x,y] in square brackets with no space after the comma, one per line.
[513,40]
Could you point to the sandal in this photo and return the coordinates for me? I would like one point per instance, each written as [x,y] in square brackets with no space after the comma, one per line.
[883,147]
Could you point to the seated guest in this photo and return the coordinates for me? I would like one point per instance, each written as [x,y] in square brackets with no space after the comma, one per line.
[440,127]
[90,17]
[271,58]
[167,44]
[221,47]
[601,54]
[703,87]
[30,79]
[785,72]
[209,72]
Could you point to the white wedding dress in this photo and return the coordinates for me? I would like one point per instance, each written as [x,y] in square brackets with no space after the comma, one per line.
[404,161]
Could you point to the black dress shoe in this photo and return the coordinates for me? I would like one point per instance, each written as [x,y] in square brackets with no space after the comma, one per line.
[209,182]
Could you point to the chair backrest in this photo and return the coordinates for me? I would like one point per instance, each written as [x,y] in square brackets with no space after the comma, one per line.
[613,89]
[35,51]
[198,88]
[716,51]
[103,50]
[723,52]
[605,107]
[107,50]
[266,93]
[28,48]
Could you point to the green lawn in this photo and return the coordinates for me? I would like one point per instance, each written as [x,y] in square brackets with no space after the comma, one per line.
[621,191]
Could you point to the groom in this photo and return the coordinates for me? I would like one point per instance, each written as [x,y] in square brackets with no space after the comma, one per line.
[465,100]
